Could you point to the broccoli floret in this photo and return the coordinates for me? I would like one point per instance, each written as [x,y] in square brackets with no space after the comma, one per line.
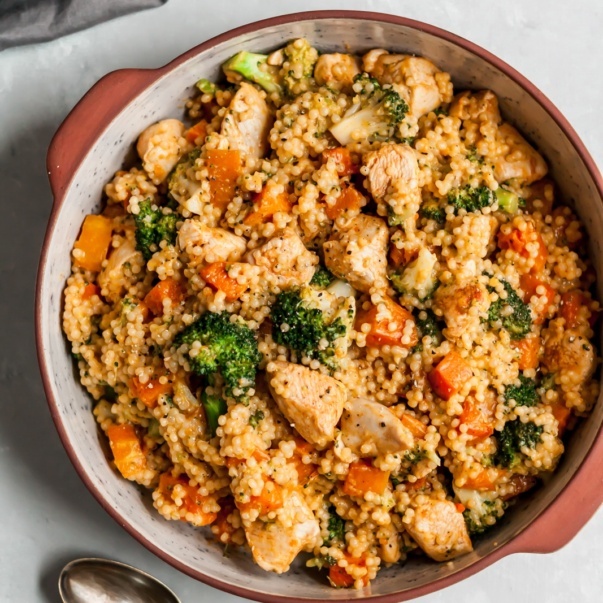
[322,278]
[297,72]
[514,436]
[394,219]
[475,521]
[524,394]
[301,327]
[336,527]
[427,326]
[252,67]
[205,86]
[507,201]
[433,211]
[255,418]
[323,561]
[228,348]
[152,227]
[519,323]
[376,111]
[214,408]
[419,277]
[470,198]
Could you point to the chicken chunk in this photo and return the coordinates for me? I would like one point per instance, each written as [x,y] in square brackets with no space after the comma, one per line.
[568,354]
[311,401]
[160,147]
[247,122]
[337,71]
[205,244]
[520,161]
[286,260]
[418,81]
[461,305]
[440,530]
[111,278]
[370,429]
[358,253]
[275,545]
[391,162]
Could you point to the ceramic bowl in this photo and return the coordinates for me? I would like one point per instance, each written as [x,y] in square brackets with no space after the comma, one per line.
[90,146]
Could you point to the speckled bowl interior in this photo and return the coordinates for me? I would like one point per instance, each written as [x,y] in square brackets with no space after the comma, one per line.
[193,549]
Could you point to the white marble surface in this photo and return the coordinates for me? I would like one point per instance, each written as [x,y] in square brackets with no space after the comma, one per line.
[48,517]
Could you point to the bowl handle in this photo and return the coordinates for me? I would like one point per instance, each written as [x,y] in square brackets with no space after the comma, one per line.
[570,511]
[88,119]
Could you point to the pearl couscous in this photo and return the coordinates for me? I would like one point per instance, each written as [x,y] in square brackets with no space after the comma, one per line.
[341,312]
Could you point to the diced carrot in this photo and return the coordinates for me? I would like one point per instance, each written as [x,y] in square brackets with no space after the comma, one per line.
[339,578]
[127,452]
[270,499]
[148,393]
[217,277]
[343,159]
[199,130]
[416,485]
[571,303]
[401,257]
[529,351]
[518,484]
[542,191]
[483,481]
[380,333]
[562,413]
[192,501]
[477,417]
[530,285]
[258,455]
[416,427]
[267,203]
[459,507]
[350,199]
[222,528]
[362,477]
[89,290]
[517,240]
[93,243]
[449,375]
[168,288]
[223,167]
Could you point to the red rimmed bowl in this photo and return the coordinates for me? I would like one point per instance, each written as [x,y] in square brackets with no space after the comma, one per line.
[90,146]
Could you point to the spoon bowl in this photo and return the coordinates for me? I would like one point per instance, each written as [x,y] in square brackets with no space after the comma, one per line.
[92,580]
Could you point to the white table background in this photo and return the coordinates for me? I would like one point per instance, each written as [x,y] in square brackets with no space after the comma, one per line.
[47,515]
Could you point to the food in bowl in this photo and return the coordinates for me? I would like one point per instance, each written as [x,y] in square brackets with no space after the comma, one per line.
[342,311]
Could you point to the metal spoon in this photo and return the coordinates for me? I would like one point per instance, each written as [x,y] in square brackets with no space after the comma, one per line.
[91,580]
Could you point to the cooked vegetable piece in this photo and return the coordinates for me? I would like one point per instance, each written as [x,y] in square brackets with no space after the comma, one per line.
[571,304]
[198,131]
[192,501]
[148,393]
[449,375]
[508,201]
[343,160]
[518,322]
[214,408]
[227,347]
[524,394]
[362,477]
[92,246]
[529,352]
[382,332]
[270,200]
[514,436]
[223,167]
[127,452]
[270,499]
[90,290]
[477,417]
[518,239]
[216,275]
[471,199]
[350,199]
[205,86]
[533,286]
[253,67]
[153,226]
[322,278]
[168,288]
[414,425]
